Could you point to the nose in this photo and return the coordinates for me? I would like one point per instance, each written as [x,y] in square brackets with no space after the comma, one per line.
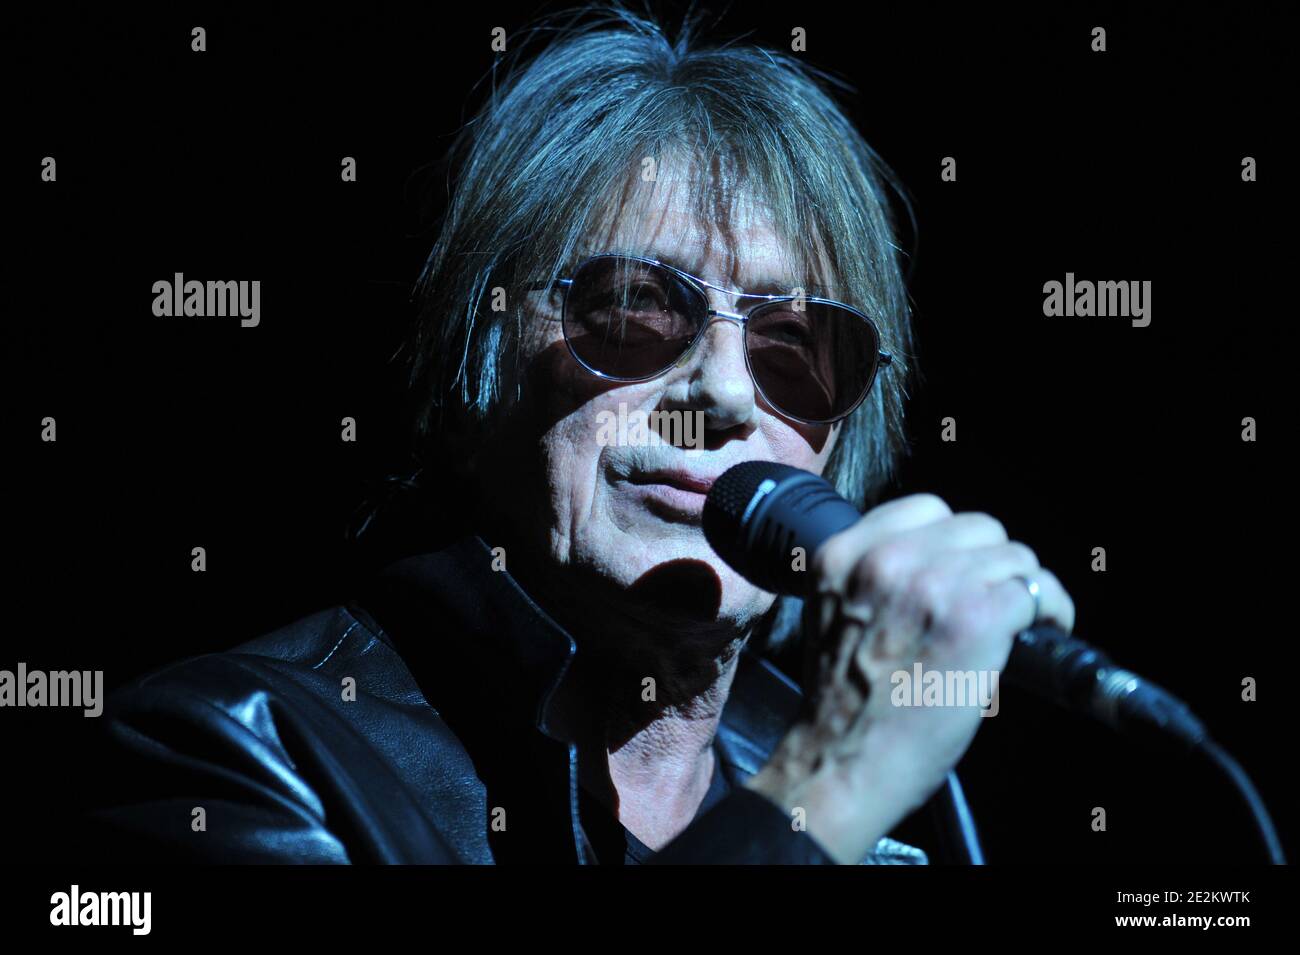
[716,381]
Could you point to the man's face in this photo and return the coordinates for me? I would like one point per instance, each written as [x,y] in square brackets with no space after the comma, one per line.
[624,517]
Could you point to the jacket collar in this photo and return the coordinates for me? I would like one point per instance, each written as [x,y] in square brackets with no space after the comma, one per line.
[511,655]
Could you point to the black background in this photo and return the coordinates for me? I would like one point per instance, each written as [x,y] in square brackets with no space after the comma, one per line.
[1076,433]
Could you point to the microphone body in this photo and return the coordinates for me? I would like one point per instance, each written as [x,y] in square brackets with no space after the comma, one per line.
[767,520]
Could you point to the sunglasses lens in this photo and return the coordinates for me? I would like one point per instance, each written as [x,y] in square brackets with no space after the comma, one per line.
[814,362]
[630,319]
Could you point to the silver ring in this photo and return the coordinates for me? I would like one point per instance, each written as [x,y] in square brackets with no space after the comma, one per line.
[1032,586]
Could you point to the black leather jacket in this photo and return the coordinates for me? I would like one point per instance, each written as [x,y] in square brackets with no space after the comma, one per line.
[389,729]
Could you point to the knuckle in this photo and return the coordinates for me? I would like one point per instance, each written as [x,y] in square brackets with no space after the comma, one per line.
[928,505]
[1023,553]
[880,570]
[835,559]
[930,589]
[985,523]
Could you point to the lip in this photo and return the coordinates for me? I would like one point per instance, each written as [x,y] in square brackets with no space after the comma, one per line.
[673,494]
[681,480]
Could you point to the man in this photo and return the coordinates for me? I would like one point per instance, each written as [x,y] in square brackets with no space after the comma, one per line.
[638,228]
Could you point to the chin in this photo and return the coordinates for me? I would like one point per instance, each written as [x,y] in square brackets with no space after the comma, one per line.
[679,577]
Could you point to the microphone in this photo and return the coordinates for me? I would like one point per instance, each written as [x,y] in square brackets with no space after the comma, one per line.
[758,512]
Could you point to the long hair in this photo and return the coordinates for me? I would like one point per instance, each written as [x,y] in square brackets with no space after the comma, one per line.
[573,111]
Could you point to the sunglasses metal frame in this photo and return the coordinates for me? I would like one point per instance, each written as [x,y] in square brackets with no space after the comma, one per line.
[883,358]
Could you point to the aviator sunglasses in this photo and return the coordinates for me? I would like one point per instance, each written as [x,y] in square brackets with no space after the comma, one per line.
[630,319]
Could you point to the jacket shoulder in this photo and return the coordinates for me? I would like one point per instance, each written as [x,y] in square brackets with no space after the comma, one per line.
[313,654]
[289,761]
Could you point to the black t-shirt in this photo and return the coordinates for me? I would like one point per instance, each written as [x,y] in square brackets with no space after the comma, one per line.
[614,844]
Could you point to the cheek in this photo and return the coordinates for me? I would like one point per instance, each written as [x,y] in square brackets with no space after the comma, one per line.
[575,456]
[572,464]
[808,449]
[566,400]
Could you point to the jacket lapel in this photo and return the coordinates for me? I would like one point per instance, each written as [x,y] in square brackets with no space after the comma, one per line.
[761,707]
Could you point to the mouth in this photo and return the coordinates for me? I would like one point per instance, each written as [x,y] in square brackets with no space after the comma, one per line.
[674,494]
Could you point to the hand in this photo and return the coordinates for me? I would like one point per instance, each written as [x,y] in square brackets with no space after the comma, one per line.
[909,582]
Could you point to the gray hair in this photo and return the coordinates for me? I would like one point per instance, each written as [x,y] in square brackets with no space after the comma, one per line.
[563,129]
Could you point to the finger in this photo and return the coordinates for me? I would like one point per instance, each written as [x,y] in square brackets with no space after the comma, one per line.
[854,625]
[987,565]
[1057,604]
[946,578]
[837,557]
[829,638]
[925,564]
[963,531]
[1017,605]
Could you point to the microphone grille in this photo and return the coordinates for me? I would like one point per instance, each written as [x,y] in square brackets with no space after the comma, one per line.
[733,491]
